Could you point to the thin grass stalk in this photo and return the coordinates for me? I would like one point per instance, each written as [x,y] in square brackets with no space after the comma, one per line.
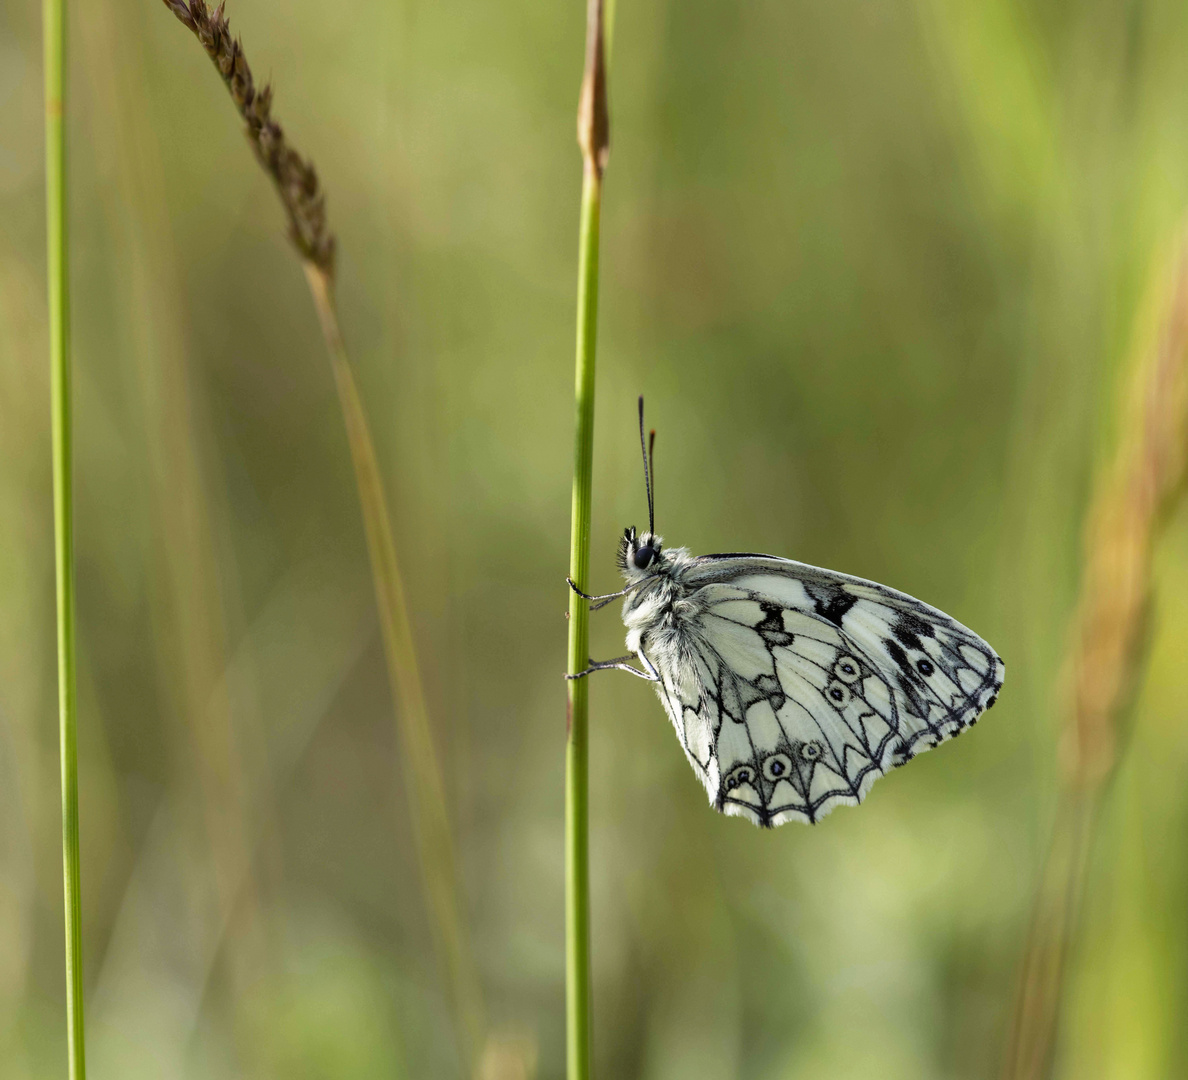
[301,195]
[62,434]
[593,138]
[431,828]
[1134,500]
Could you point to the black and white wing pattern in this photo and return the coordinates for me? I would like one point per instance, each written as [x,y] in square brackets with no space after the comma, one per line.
[792,688]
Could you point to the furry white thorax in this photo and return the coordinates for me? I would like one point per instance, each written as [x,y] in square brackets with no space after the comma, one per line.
[661,603]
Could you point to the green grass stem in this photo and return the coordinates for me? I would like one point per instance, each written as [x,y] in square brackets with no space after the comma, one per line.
[57,263]
[593,130]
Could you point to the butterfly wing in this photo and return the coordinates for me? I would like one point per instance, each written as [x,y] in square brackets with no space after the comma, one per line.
[793,688]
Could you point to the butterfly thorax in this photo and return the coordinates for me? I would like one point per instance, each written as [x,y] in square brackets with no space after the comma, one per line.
[661,604]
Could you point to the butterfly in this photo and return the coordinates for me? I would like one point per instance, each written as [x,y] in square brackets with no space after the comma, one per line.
[792,688]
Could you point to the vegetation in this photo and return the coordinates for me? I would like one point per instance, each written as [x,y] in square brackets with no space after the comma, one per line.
[888,277]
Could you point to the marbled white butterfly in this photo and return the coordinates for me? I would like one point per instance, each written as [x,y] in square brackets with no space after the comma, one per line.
[791,688]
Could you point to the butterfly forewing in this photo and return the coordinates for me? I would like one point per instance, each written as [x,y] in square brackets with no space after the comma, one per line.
[794,688]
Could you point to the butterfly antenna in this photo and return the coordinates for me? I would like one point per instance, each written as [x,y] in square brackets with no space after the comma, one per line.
[652,474]
[647,468]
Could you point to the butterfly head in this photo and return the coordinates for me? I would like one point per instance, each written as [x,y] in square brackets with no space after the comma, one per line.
[640,554]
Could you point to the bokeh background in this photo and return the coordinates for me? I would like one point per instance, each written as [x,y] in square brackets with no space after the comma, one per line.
[877,268]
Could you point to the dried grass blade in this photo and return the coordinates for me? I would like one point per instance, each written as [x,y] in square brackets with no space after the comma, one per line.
[302,197]
[1105,663]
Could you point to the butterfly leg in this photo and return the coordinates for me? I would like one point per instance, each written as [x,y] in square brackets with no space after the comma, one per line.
[621,663]
[606,598]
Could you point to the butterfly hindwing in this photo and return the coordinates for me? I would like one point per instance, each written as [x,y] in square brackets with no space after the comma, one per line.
[794,688]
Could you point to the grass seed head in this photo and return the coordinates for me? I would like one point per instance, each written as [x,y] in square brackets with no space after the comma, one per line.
[295,178]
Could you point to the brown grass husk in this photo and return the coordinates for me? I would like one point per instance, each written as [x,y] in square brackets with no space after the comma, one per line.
[1135,496]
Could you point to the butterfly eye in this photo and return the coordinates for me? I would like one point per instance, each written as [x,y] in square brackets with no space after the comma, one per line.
[777,766]
[924,667]
[642,557]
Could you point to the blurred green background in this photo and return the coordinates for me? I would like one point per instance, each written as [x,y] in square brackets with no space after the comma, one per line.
[876,267]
